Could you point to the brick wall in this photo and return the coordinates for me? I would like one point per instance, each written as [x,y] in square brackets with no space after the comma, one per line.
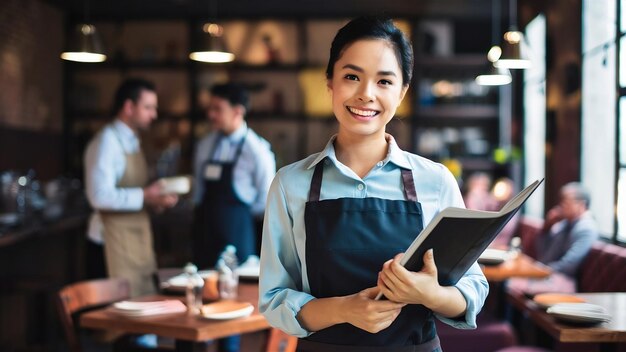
[31,87]
[31,39]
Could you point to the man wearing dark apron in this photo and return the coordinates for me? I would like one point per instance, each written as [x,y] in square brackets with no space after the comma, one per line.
[344,252]
[233,169]
[222,218]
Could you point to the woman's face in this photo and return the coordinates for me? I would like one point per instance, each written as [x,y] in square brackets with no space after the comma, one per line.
[366,87]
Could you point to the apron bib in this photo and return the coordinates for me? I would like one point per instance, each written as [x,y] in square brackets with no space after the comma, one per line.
[347,242]
[128,246]
[222,218]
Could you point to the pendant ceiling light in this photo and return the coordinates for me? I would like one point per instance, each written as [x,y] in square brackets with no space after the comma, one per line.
[212,47]
[495,76]
[513,56]
[84,44]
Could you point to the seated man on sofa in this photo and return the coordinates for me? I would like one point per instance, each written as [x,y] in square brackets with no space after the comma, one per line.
[568,234]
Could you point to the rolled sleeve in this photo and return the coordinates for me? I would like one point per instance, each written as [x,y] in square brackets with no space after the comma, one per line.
[280,292]
[281,307]
[474,288]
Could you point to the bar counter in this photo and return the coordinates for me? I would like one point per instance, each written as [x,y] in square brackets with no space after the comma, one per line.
[37,257]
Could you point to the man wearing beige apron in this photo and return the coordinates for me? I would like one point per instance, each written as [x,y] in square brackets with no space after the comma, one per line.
[116,181]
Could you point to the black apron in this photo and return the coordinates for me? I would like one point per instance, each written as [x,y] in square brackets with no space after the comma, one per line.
[222,218]
[347,242]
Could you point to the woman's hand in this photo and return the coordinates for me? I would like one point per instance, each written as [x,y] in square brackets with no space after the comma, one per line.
[359,309]
[362,311]
[400,285]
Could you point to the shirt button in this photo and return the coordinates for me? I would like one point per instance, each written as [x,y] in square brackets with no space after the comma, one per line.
[360,187]
[379,164]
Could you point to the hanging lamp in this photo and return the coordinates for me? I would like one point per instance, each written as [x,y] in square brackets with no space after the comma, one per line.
[212,48]
[84,44]
[513,56]
[495,76]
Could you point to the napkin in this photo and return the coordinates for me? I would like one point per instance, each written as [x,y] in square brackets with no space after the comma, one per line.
[140,309]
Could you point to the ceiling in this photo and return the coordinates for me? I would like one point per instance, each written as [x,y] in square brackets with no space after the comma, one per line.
[197,9]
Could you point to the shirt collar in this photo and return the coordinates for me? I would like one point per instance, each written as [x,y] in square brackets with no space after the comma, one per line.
[126,133]
[238,134]
[394,153]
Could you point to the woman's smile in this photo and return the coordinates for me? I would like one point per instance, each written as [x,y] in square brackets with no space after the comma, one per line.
[362,114]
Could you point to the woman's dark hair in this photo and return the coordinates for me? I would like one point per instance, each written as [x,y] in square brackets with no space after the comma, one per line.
[235,93]
[131,88]
[373,28]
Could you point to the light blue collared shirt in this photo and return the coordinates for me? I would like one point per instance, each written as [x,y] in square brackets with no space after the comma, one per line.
[284,286]
[253,172]
[105,162]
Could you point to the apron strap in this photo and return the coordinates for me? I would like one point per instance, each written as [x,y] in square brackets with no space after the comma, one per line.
[218,139]
[316,183]
[240,147]
[212,156]
[409,185]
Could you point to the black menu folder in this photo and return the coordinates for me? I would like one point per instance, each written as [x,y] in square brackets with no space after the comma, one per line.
[458,237]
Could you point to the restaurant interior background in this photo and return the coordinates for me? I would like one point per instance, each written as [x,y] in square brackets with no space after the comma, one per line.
[49,108]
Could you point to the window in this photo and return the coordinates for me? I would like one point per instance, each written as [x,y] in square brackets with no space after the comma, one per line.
[599,118]
[535,114]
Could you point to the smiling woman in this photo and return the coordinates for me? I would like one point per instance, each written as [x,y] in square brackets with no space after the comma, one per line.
[366,213]
[366,88]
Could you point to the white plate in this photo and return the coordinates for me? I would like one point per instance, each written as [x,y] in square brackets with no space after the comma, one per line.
[582,308]
[225,310]
[141,309]
[575,318]
[579,313]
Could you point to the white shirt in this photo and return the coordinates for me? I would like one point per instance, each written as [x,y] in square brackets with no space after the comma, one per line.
[105,162]
[253,172]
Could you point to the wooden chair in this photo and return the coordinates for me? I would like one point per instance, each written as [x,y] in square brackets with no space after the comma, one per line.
[279,341]
[82,296]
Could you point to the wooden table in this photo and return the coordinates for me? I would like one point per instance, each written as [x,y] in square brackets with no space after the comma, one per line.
[608,335]
[186,329]
[521,266]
